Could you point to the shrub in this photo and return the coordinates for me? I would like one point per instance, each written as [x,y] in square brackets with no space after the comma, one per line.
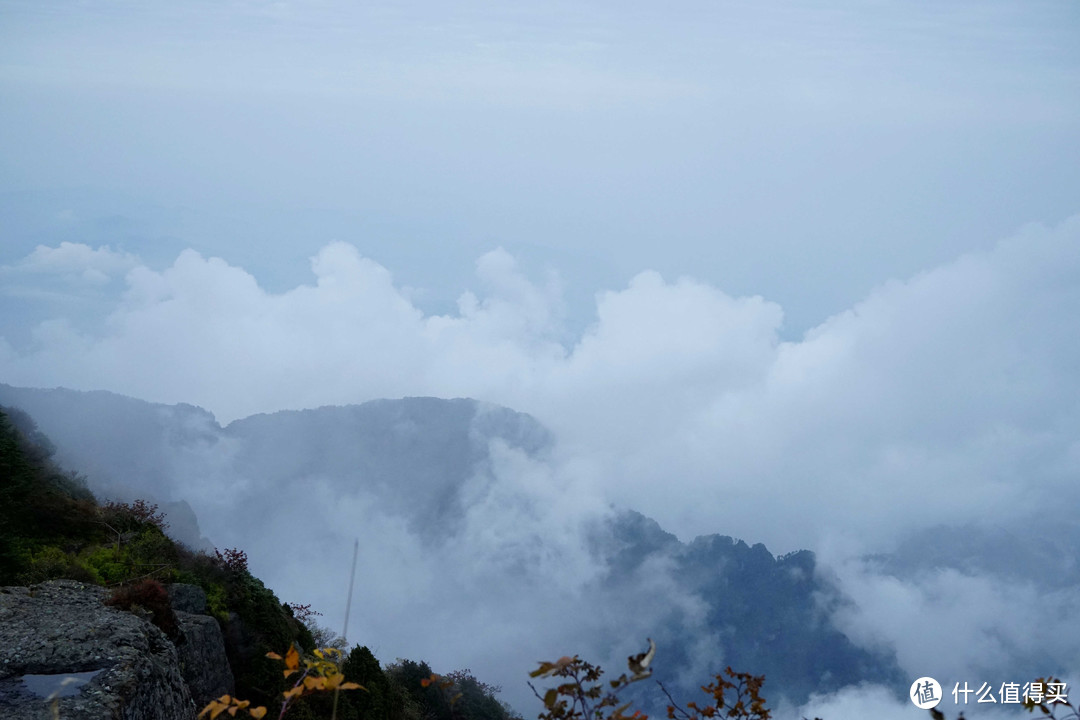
[149,595]
[108,563]
[50,562]
[234,559]
[133,516]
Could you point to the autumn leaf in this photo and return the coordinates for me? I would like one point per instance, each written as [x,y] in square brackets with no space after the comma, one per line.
[292,658]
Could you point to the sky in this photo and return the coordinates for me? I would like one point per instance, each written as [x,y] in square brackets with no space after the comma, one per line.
[803,151]
[804,273]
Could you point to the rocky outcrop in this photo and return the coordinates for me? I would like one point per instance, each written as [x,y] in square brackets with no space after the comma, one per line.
[203,662]
[119,666]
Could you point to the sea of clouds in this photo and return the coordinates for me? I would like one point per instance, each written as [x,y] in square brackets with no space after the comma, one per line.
[946,398]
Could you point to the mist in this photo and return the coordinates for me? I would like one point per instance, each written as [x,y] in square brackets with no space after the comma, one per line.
[803,274]
[948,399]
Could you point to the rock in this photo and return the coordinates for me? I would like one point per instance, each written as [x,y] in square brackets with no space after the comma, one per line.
[128,669]
[203,663]
[187,598]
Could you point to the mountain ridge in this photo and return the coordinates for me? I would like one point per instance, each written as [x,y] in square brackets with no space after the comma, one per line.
[451,480]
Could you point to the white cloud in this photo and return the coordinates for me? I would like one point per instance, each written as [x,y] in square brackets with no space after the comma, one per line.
[73,263]
[951,397]
[862,701]
[955,626]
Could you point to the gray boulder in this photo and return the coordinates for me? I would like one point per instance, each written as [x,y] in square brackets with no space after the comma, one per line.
[187,598]
[119,665]
[203,662]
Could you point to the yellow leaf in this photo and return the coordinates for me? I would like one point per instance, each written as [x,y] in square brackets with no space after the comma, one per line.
[215,706]
[232,710]
[294,692]
[257,712]
[352,686]
[273,656]
[292,658]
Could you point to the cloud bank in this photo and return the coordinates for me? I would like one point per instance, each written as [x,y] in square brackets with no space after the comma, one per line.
[950,397]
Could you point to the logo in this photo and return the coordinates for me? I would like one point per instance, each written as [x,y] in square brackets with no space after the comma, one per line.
[925,693]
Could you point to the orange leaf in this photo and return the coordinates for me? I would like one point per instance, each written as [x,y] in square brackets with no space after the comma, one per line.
[273,656]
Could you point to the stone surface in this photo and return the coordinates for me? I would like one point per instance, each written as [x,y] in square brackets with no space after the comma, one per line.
[203,663]
[187,598]
[62,627]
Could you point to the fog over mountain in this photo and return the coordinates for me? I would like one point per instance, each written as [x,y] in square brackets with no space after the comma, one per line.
[475,550]
[462,541]
[474,281]
[947,400]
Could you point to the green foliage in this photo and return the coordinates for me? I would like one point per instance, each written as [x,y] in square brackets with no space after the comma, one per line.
[128,517]
[418,693]
[52,527]
[108,563]
[39,506]
[377,703]
[476,700]
[49,562]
